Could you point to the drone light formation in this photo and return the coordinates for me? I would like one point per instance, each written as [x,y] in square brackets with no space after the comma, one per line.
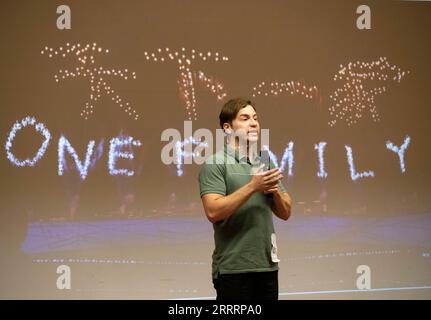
[64,144]
[400,151]
[182,154]
[286,158]
[353,173]
[87,68]
[355,97]
[292,88]
[188,78]
[320,148]
[19,125]
[212,85]
[115,146]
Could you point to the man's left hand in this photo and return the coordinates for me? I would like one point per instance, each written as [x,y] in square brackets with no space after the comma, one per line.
[273,189]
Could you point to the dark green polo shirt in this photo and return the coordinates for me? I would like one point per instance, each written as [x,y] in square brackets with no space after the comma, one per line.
[244,242]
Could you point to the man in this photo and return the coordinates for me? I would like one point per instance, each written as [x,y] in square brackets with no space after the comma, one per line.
[239,198]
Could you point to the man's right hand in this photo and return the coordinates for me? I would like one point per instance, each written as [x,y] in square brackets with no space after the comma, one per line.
[262,181]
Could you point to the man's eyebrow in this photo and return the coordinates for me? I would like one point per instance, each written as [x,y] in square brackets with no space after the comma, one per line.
[246,115]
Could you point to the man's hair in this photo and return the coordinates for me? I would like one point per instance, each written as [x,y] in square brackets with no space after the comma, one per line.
[231,108]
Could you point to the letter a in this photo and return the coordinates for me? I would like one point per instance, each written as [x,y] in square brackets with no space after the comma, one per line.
[63,281]
[364,20]
[64,20]
[364,280]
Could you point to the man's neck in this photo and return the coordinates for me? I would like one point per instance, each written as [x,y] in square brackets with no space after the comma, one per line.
[249,149]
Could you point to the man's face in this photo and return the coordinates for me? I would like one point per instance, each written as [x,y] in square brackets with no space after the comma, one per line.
[246,124]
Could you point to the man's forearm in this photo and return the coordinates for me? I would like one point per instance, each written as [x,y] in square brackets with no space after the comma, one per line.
[282,204]
[225,206]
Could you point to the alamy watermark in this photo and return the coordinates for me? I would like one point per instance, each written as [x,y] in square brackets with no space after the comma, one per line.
[197,147]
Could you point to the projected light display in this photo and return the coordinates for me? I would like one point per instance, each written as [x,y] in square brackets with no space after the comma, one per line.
[353,173]
[115,146]
[100,163]
[320,149]
[357,94]
[400,151]
[40,127]
[187,76]
[63,144]
[286,158]
[181,153]
[86,56]
[291,87]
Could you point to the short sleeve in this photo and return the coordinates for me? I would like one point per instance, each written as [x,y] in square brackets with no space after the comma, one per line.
[280,184]
[211,179]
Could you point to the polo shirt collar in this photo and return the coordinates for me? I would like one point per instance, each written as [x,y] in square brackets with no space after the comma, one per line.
[239,157]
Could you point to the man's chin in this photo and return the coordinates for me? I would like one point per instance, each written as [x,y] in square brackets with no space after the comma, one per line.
[253,138]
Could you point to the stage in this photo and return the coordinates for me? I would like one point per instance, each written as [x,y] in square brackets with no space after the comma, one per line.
[169,258]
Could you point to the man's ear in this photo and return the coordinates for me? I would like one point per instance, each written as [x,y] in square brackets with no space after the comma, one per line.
[227,129]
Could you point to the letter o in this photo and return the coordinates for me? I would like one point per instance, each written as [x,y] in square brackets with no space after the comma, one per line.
[40,127]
